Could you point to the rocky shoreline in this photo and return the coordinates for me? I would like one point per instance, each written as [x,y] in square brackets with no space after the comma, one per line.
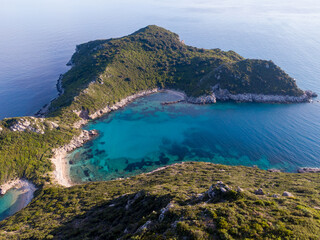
[85,116]
[61,173]
[223,95]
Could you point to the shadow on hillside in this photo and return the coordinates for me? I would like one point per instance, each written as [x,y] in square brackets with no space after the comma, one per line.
[114,218]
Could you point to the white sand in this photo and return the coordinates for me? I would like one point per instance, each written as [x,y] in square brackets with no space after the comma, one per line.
[61,172]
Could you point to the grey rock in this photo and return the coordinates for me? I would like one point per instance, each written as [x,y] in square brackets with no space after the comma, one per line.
[206,99]
[275,195]
[259,192]
[239,189]
[274,170]
[308,170]
[164,211]
[287,194]
[225,95]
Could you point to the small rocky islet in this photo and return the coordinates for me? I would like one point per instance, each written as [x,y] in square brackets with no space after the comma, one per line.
[106,75]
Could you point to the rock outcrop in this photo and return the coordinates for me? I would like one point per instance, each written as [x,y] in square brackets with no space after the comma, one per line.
[37,125]
[164,211]
[225,95]
[287,194]
[308,170]
[206,99]
[274,170]
[259,192]
[78,141]
[28,124]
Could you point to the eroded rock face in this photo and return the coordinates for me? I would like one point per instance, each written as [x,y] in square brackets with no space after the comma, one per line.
[78,141]
[202,99]
[219,94]
[37,125]
[24,124]
[225,95]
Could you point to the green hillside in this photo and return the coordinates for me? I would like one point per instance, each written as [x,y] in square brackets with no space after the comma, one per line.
[106,71]
[173,204]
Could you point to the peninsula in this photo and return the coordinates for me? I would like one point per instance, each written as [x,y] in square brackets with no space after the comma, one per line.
[105,76]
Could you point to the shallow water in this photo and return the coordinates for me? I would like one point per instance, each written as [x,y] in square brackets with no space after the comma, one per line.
[38,38]
[11,202]
[146,135]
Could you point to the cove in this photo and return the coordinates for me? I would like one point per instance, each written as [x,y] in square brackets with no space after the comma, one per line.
[146,135]
[13,201]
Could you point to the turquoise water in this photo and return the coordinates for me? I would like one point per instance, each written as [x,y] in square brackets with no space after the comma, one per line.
[11,202]
[146,135]
[38,38]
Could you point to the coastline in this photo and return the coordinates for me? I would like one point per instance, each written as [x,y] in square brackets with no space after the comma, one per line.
[62,171]
[61,174]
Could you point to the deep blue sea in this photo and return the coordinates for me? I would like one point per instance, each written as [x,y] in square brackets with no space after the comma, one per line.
[38,38]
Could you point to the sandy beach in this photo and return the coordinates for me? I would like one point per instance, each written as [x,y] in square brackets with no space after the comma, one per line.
[61,172]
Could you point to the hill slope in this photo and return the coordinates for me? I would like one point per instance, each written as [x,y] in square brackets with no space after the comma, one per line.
[155,57]
[106,71]
[174,203]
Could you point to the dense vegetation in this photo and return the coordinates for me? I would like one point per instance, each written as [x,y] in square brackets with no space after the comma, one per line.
[112,69]
[26,154]
[118,209]
[105,71]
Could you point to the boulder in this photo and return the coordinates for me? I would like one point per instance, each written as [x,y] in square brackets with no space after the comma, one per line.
[259,192]
[239,189]
[287,194]
[219,187]
[274,170]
